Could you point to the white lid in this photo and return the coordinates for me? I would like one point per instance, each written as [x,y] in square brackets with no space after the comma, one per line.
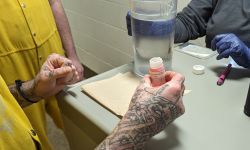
[198,69]
[155,62]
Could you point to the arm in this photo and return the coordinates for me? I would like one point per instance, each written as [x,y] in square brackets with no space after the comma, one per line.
[56,72]
[150,111]
[191,22]
[65,34]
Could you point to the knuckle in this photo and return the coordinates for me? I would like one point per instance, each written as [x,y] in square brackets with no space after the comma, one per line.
[176,88]
[181,78]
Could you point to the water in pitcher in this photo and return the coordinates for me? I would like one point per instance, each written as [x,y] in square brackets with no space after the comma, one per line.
[152,39]
[152,24]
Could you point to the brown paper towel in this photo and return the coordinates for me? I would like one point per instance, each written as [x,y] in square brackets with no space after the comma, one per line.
[114,93]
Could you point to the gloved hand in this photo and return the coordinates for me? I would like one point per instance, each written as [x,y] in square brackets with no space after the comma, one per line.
[230,45]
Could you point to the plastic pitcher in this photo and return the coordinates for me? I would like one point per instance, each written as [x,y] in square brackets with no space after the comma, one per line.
[151,23]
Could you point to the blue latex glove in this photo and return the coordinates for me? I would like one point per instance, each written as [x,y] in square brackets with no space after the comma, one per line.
[230,45]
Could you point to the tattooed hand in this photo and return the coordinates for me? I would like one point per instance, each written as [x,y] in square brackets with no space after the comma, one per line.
[55,73]
[164,102]
[150,111]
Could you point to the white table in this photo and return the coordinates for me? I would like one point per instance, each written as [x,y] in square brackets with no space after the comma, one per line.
[214,118]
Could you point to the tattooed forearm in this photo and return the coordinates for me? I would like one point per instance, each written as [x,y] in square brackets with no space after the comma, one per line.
[28,89]
[143,120]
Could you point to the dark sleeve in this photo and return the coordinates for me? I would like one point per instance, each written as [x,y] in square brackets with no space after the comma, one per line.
[191,22]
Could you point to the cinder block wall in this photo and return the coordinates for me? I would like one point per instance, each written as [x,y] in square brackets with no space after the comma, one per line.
[99,31]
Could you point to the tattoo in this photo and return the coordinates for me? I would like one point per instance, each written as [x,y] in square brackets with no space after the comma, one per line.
[162,89]
[22,102]
[68,64]
[47,71]
[50,74]
[45,68]
[143,120]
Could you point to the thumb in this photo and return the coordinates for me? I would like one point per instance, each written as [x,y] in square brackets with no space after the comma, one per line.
[147,80]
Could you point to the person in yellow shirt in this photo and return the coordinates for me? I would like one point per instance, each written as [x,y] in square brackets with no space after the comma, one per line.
[150,111]
[16,131]
[29,32]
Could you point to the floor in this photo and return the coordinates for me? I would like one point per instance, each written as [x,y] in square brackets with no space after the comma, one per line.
[56,136]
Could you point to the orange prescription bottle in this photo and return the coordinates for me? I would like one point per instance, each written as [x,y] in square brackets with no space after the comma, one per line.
[157,71]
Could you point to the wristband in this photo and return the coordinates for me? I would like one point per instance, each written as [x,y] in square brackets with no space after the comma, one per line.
[18,87]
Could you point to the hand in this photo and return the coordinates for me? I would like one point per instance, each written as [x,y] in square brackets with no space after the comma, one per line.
[79,68]
[230,45]
[159,105]
[150,111]
[55,73]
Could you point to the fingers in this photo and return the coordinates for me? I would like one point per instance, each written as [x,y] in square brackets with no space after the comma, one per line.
[80,74]
[180,106]
[145,83]
[79,68]
[225,53]
[223,44]
[179,103]
[216,39]
[224,38]
[56,61]
[62,72]
[58,66]
[69,78]
[174,77]
[174,88]
[75,77]
[65,71]
[169,75]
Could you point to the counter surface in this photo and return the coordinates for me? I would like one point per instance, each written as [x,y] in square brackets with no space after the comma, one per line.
[214,117]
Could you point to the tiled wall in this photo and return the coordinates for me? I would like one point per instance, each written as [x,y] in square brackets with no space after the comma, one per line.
[99,30]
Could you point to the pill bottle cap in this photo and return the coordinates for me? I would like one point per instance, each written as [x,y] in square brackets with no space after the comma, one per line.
[155,62]
[198,69]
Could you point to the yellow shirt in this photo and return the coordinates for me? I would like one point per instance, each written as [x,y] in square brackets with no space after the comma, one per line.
[16,132]
[28,34]
[25,25]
